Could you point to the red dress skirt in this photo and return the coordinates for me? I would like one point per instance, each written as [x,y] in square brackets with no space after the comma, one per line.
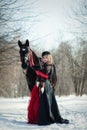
[33,107]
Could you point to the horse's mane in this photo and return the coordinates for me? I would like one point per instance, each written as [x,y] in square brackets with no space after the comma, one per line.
[36,59]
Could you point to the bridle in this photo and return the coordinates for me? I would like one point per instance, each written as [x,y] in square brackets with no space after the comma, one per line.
[24,57]
[24,54]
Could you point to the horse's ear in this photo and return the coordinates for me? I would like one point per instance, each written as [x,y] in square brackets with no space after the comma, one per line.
[27,42]
[19,43]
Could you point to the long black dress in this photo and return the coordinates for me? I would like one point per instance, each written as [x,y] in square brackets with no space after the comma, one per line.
[48,111]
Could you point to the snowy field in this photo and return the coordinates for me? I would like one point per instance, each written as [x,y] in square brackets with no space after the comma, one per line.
[13,114]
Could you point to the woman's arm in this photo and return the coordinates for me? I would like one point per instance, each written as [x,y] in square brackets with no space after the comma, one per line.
[54,77]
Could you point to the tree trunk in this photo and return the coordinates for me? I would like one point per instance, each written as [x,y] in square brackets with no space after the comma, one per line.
[82,87]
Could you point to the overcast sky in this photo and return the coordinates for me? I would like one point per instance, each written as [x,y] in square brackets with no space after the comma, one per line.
[53,24]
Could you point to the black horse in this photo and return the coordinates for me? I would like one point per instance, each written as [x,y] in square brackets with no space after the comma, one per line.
[25,63]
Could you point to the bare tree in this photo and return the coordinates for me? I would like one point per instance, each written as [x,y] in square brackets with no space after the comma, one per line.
[78,66]
[71,65]
[13,14]
[79,19]
[64,82]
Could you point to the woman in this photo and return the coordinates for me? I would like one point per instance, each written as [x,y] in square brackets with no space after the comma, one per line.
[43,108]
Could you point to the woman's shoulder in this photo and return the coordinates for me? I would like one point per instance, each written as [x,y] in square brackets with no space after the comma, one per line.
[54,66]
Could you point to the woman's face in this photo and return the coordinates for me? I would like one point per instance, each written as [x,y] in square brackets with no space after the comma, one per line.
[45,59]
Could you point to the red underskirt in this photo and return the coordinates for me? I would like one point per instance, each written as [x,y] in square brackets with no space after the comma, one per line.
[33,106]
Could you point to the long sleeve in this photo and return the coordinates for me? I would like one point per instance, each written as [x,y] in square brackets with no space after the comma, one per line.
[53,76]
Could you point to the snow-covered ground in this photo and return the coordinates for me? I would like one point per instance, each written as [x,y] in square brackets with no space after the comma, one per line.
[13,114]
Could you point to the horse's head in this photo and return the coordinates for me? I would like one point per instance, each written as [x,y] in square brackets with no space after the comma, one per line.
[24,50]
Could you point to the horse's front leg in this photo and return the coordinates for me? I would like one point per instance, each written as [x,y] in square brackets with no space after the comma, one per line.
[30,77]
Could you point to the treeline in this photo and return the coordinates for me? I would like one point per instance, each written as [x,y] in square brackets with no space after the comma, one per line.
[12,79]
[71,62]
[71,67]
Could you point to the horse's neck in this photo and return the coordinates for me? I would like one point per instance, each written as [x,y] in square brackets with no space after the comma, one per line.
[23,61]
[36,59]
